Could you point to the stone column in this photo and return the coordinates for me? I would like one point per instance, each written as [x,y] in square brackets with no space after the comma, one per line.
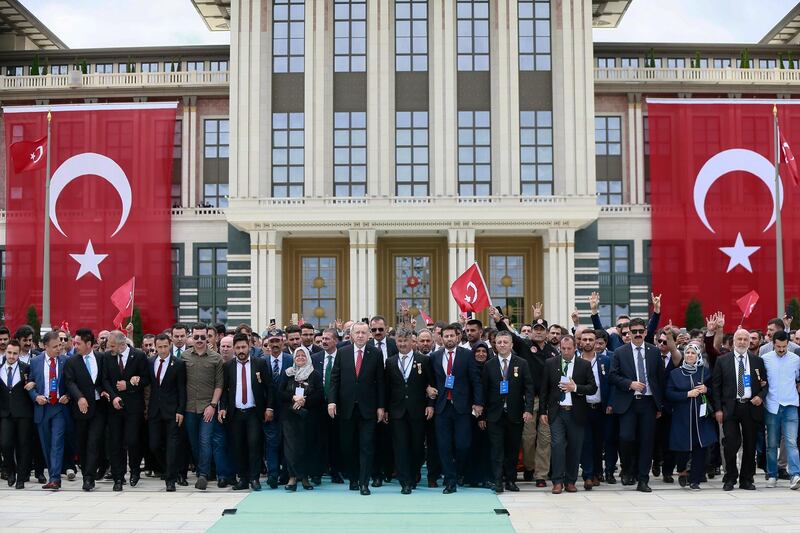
[505,97]
[380,98]
[559,287]
[461,255]
[443,110]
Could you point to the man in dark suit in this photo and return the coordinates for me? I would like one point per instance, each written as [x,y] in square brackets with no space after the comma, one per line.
[408,375]
[24,335]
[83,376]
[330,457]
[125,377]
[509,393]
[277,362]
[382,466]
[307,334]
[637,376]
[246,396]
[598,415]
[458,393]
[739,386]
[166,408]
[566,382]
[357,397]
[50,413]
[16,416]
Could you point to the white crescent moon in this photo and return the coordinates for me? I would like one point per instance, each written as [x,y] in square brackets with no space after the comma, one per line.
[37,154]
[89,163]
[731,161]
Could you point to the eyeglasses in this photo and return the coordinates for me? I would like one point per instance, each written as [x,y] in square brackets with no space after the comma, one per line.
[622,325]
[199,337]
[377,330]
[62,339]
[662,342]
[637,331]
[625,333]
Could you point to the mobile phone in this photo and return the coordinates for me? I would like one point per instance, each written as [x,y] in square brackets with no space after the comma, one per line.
[295,319]
[272,322]
[365,320]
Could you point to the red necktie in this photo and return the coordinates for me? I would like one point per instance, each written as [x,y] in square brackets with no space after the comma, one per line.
[244,384]
[359,359]
[449,372]
[53,393]
[121,366]
[158,374]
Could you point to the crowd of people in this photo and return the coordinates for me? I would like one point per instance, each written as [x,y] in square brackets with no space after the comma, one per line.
[369,404]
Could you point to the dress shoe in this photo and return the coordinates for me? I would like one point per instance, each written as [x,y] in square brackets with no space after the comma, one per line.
[683,480]
[134,480]
[643,487]
[588,485]
[709,474]
[306,484]
[316,480]
[656,469]
[200,484]
[611,480]
[461,481]
[727,486]
[498,487]
[377,482]
[222,483]
[628,481]
[783,474]
[272,481]
[336,478]
[387,478]
[511,486]
[450,489]
[601,478]
[53,485]
[541,483]
[596,481]
[3,475]
[406,490]
[291,487]
[694,486]
[117,486]
[668,479]
[87,485]
[12,479]
[747,486]
[242,485]
[527,475]
[170,486]
[182,481]
[41,479]
[283,479]
[432,484]
[571,487]
[365,490]
[20,485]
[558,488]
[354,485]
[255,486]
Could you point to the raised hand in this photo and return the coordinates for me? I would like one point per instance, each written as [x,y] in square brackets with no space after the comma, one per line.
[656,302]
[594,302]
[537,311]
[575,316]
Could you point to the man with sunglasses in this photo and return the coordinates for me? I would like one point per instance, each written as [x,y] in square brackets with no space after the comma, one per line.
[383,462]
[663,457]
[637,374]
[204,382]
[616,339]
[277,362]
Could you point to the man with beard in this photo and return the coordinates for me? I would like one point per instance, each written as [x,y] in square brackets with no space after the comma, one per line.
[330,458]
[598,413]
[425,347]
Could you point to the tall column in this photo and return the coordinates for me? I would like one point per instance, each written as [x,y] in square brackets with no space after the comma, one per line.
[505,97]
[186,162]
[635,149]
[258,270]
[380,98]
[573,97]
[363,273]
[559,259]
[272,295]
[194,196]
[638,118]
[318,135]
[461,255]
[443,109]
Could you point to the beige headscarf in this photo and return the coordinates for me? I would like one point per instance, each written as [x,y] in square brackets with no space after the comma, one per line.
[301,373]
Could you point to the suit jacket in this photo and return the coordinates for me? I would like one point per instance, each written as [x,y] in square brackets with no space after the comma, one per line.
[532,353]
[277,382]
[391,347]
[367,390]
[603,365]
[550,394]
[623,373]
[169,397]
[133,395]
[408,396]
[79,384]
[16,403]
[467,387]
[38,375]
[261,384]
[520,389]
[724,384]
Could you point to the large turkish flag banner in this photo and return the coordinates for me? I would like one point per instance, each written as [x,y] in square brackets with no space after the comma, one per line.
[109,212]
[713,195]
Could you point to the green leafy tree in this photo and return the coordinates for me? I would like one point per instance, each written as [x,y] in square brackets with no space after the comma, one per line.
[35,68]
[138,333]
[780,61]
[694,315]
[696,61]
[34,322]
[744,59]
[84,67]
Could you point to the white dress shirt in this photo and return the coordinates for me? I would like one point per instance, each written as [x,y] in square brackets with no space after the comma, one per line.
[444,359]
[15,377]
[125,355]
[163,368]
[409,364]
[641,379]
[595,398]
[748,392]
[570,367]
[381,345]
[92,368]
[250,400]
[47,370]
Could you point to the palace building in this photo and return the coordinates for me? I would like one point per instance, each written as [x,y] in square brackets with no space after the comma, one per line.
[342,157]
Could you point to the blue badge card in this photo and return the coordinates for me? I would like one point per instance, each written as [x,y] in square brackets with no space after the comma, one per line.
[449,382]
[54,385]
[504,387]
[746,380]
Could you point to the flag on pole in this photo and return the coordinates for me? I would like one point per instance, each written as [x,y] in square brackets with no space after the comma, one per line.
[28,155]
[470,291]
[787,159]
[747,303]
[122,298]
[428,320]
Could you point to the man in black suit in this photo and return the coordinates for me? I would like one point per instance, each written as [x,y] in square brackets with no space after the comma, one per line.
[382,466]
[739,387]
[246,396]
[509,393]
[16,416]
[125,377]
[330,457]
[408,375]
[166,407]
[566,382]
[307,334]
[459,393]
[83,377]
[357,397]
[638,378]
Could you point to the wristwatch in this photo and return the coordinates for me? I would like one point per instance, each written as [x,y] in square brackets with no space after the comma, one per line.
[213,404]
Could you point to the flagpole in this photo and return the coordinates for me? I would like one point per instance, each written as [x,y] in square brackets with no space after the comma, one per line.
[46,255]
[133,295]
[780,301]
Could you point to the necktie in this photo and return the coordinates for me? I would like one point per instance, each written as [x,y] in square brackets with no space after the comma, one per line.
[52,376]
[328,367]
[505,368]
[158,374]
[10,376]
[740,378]
[564,372]
[359,360]
[121,366]
[640,366]
[244,384]
[178,353]
[88,362]
[403,361]
[275,370]
[450,372]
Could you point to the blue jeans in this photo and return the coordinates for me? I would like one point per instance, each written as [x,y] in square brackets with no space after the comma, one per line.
[200,440]
[272,447]
[222,459]
[783,424]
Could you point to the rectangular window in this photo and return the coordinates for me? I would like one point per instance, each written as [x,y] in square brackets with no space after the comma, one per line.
[175,261]
[534,34]
[614,266]
[172,66]
[318,290]
[212,261]
[219,66]
[15,71]
[767,63]
[536,153]
[59,69]
[473,35]
[656,62]
[608,142]
[124,68]
[350,153]
[722,62]
[411,153]
[416,294]
[411,35]
[148,67]
[215,162]
[104,68]
[629,62]
[606,62]
[507,285]
[350,36]
[287,155]
[676,62]
[195,66]
[474,153]
[288,36]
[177,164]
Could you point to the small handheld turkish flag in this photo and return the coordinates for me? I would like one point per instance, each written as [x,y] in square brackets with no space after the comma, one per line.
[122,298]
[787,158]
[747,303]
[28,155]
[428,320]
[470,291]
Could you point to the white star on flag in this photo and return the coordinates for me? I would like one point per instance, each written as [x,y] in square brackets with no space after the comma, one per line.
[739,254]
[89,261]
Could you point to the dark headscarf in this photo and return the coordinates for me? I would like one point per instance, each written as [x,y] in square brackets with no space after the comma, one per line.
[485,346]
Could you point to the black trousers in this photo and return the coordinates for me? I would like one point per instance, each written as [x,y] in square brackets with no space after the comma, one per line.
[432,460]
[662,455]
[408,443]
[163,439]
[505,439]
[566,443]
[636,434]
[247,428]
[739,430]
[89,434]
[357,439]
[383,463]
[124,430]
[330,457]
[15,441]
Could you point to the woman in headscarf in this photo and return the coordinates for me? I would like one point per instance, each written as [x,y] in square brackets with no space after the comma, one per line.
[478,467]
[300,395]
[692,430]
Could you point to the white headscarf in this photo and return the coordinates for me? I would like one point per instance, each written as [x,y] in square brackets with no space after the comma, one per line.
[301,373]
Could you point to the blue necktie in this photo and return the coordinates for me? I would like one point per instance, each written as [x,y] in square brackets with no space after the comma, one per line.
[88,361]
[275,370]
[10,376]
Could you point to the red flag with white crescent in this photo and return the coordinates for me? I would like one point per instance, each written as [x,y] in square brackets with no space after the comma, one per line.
[747,303]
[470,291]
[28,155]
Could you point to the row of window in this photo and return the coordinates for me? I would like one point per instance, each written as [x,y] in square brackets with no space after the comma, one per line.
[683,62]
[110,68]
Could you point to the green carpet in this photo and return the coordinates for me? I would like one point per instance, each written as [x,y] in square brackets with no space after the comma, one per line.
[332,507]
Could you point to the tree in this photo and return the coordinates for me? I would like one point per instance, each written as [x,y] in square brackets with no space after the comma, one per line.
[794,312]
[780,61]
[696,60]
[744,59]
[35,71]
[138,333]
[34,322]
[694,315]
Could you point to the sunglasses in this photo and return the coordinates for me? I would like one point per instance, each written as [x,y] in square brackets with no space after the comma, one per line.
[622,325]
[62,339]
[199,337]
[637,331]
[376,330]
[662,342]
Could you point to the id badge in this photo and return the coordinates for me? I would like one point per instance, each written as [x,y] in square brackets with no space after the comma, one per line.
[299,391]
[53,385]
[504,387]
[703,410]
[449,382]
[746,380]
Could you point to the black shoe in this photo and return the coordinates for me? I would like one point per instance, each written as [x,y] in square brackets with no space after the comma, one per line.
[12,479]
[540,483]
[170,486]
[134,480]
[694,486]
[291,487]
[747,486]
[306,484]
[316,480]
[117,486]
[255,485]
[377,482]
[461,481]
[222,483]
[354,485]
[41,479]
[601,478]
[656,470]
[87,485]
[387,478]
[20,485]
[683,480]
[498,487]
[668,479]
[432,484]
[283,479]
[406,490]
[272,481]
[449,489]
[336,478]
[182,481]
[242,485]
[527,475]
[365,490]
[628,481]
[512,486]
[727,486]
[783,474]
[643,487]
[610,479]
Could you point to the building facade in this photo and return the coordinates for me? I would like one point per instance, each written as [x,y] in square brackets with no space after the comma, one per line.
[344,157]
